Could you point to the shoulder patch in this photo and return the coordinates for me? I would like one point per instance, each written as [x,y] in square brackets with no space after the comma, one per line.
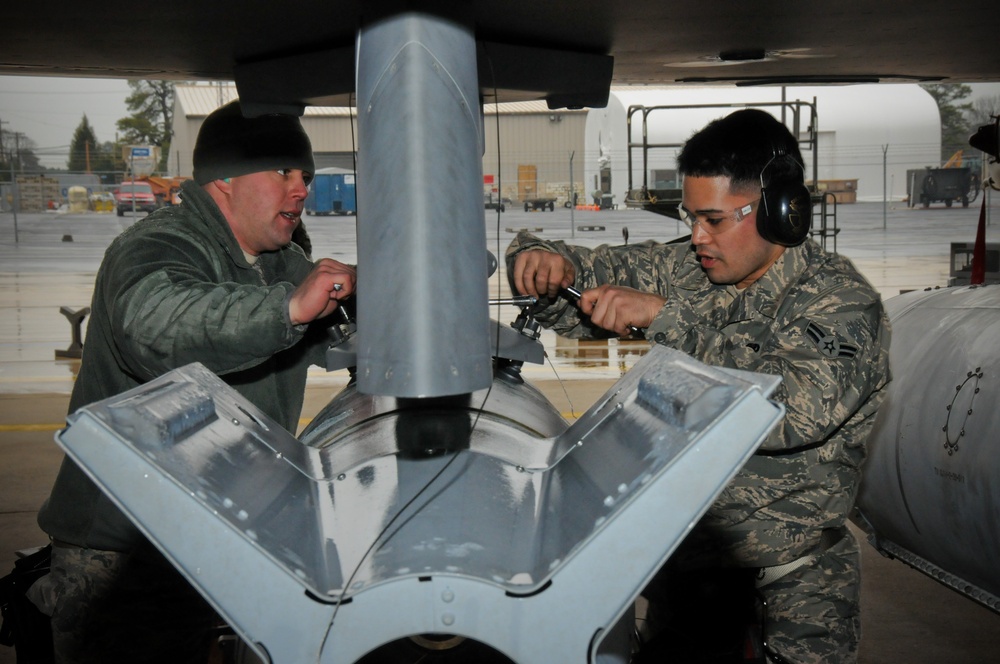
[829,345]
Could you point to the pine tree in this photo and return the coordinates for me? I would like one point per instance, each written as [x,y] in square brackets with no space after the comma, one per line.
[83,149]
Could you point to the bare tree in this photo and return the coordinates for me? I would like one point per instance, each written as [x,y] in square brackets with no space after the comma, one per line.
[17,153]
[983,110]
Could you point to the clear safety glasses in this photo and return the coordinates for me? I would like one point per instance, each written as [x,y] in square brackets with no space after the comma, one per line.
[715,224]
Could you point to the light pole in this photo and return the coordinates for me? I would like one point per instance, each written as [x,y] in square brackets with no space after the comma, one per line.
[572,198]
[131,175]
[13,199]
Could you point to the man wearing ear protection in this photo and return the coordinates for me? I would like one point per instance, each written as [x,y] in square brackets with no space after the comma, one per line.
[214,280]
[748,289]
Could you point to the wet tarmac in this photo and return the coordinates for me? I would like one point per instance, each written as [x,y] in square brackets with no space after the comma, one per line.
[53,263]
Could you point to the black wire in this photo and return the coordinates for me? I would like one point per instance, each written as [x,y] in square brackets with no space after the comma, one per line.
[496,122]
[351,101]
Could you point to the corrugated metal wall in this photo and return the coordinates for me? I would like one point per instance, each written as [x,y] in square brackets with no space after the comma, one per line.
[527,133]
[543,140]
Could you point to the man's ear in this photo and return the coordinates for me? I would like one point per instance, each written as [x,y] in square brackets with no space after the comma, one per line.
[224,185]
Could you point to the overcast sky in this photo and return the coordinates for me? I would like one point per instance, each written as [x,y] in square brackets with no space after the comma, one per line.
[48,110]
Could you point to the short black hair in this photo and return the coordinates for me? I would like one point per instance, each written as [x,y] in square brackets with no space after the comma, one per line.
[739,146]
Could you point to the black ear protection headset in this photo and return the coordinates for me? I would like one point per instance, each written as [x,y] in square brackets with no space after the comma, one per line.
[785,210]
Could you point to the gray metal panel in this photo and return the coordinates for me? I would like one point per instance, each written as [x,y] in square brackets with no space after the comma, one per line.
[204,503]
[931,483]
[422,314]
[505,341]
[493,541]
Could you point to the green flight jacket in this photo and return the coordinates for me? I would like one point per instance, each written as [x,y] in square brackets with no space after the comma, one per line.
[175,288]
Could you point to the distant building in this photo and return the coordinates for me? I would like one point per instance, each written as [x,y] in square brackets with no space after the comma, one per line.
[35,196]
[535,143]
[539,147]
[91,182]
[858,126]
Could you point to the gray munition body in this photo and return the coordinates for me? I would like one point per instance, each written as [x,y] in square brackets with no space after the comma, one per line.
[527,536]
[931,484]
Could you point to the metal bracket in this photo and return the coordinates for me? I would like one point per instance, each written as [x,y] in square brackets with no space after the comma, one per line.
[75,319]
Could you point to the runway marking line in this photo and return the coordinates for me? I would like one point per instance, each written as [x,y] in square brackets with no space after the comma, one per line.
[6,428]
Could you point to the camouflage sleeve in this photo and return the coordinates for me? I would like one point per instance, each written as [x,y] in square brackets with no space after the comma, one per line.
[830,348]
[642,266]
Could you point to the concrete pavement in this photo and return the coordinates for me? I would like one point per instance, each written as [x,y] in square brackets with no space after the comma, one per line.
[908,617]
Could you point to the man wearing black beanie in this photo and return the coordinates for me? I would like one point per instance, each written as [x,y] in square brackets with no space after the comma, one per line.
[215,280]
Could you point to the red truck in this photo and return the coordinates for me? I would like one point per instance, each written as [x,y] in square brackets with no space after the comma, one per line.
[135,195]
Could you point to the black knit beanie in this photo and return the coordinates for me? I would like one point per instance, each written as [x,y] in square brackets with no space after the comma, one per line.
[229,144]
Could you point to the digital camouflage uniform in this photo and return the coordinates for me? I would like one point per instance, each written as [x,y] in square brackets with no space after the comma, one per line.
[816,322]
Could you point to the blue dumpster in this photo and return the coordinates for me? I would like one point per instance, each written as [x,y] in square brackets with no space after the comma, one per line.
[332,192]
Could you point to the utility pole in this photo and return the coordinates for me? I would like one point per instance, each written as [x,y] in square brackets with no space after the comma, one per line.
[13,180]
[17,145]
[885,192]
[13,198]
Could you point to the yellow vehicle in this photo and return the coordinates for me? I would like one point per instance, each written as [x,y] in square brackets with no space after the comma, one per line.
[102,201]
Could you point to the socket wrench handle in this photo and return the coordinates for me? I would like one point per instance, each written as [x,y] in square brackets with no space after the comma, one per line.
[574,295]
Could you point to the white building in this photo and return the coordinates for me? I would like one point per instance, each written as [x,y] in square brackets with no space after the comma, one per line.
[869,133]
[332,130]
[534,144]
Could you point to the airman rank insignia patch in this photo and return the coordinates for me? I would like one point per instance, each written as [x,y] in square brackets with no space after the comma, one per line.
[829,345]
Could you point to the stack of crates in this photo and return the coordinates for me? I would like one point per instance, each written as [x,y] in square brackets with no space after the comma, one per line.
[845,191]
[35,193]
